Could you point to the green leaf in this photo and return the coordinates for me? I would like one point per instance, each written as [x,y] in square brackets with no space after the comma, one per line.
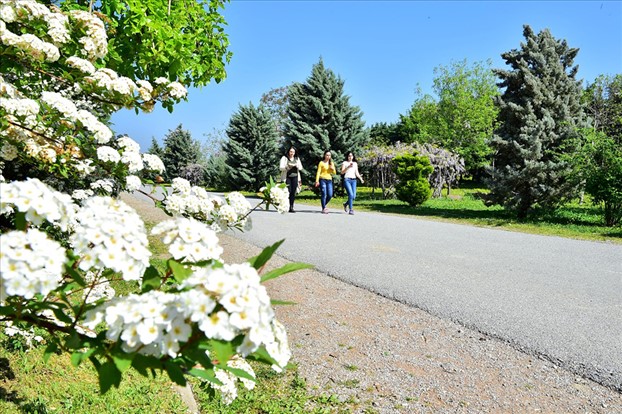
[122,360]
[151,279]
[240,373]
[258,261]
[180,272]
[52,348]
[261,355]
[175,373]
[109,375]
[75,275]
[207,374]
[20,221]
[222,351]
[142,363]
[288,268]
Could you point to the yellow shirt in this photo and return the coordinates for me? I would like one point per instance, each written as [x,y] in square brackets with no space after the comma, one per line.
[325,171]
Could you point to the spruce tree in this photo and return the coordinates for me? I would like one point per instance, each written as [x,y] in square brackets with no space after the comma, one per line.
[155,148]
[252,151]
[180,150]
[540,115]
[320,117]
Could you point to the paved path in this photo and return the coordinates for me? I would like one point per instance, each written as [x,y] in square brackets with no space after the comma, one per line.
[550,296]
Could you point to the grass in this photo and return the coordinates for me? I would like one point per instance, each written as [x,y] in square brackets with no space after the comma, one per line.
[465,206]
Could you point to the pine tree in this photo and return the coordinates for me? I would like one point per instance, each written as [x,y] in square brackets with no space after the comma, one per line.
[540,114]
[155,148]
[180,150]
[320,117]
[252,151]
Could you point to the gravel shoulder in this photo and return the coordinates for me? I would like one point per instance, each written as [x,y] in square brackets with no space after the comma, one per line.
[387,357]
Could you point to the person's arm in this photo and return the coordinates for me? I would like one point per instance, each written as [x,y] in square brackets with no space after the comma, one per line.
[317,175]
[331,168]
[356,172]
[283,164]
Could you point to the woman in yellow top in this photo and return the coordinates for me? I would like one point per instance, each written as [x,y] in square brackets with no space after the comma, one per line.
[324,179]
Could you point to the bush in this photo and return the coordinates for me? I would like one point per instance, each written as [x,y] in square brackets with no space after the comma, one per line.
[412,171]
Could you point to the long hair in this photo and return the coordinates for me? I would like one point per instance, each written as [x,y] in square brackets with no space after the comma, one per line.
[353,156]
[295,152]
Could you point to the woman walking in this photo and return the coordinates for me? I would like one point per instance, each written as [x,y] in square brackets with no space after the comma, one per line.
[291,166]
[324,179]
[350,171]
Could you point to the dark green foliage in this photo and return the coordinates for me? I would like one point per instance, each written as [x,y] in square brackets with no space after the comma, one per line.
[216,171]
[155,148]
[540,114]
[252,151]
[320,117]
[180,150]
[603,175]
[412,171]
[385,134]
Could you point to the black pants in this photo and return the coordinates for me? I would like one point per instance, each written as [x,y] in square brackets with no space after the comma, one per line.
[292,186]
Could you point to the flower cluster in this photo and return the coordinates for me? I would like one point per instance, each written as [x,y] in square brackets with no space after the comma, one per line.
[193,201]
[189,239]
[277,195]
[222,302]
[110,234]
[38,201]
[31,264]
[228,389]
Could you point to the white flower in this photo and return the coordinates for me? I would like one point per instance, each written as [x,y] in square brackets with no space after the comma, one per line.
[108,154]
[153,162]
[189,239]
[132,183]
[30,263]
[110,234]
[38,201]
[82,65]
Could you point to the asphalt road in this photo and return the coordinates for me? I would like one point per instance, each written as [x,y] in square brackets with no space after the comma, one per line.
[557,298]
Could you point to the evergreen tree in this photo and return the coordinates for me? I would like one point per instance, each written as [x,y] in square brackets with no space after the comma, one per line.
[252,151]
[540,115]
[180,150]
[155,148]
[320,117]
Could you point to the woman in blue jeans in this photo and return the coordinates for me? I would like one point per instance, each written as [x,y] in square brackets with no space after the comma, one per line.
[350,171]
[324,180]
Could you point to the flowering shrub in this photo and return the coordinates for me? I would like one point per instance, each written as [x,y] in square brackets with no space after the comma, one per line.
[64,236]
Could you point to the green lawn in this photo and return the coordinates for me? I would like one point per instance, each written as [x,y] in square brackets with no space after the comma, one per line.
[465,206]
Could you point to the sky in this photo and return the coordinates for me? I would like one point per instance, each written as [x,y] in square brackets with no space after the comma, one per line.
[383,50]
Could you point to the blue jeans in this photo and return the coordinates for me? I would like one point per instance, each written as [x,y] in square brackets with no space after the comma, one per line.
[350,184]
[326,191]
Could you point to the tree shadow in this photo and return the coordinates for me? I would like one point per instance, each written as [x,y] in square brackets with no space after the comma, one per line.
[34,406]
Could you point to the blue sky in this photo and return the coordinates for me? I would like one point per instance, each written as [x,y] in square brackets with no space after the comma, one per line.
[382,50]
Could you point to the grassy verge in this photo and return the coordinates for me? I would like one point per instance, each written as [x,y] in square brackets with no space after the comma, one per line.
[465,206]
